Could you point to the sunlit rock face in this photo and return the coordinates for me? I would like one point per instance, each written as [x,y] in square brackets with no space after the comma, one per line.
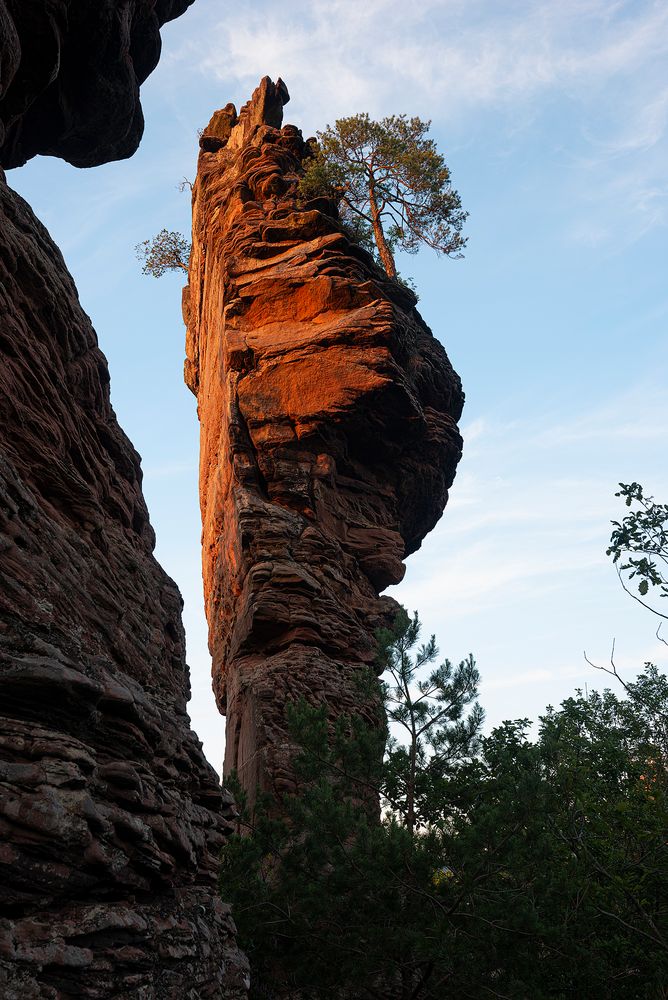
[70,72]
[328,435]
[111,820]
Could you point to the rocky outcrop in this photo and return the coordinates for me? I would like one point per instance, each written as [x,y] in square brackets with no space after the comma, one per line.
[70,72]
[111,820]
[328,434]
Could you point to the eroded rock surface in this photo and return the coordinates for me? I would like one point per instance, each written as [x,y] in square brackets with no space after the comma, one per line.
[111,820]
[70,72]
[328,434]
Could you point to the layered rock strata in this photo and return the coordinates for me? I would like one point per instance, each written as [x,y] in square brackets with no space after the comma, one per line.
[70,72]
[328,435]
[111,820]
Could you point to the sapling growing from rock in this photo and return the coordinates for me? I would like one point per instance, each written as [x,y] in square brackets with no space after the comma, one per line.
[168,251]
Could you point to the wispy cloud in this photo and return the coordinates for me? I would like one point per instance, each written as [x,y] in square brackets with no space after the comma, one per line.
[529,677]
[517,572]
[454,61]
[643,131]
[638,414]
[454,54]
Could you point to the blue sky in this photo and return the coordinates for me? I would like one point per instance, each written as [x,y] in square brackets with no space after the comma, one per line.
[554,122]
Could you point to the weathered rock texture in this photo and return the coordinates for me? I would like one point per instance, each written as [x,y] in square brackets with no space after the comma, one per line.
[70,72]
[110,818]
[328,434]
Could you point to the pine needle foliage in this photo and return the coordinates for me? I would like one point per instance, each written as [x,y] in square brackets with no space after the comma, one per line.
[392,185]
[531,868]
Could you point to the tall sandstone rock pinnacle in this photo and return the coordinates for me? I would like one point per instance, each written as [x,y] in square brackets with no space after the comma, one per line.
[111,820]
[329,439]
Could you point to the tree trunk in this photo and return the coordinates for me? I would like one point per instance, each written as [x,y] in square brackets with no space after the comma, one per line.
[379,236]
[410,791]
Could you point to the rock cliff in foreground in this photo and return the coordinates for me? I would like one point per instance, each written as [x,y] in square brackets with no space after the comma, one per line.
[111,820]
[328,434]
[70,72]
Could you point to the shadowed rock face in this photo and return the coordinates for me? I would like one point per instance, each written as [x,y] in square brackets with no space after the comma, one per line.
[111,820]
[70,72]
[328,435]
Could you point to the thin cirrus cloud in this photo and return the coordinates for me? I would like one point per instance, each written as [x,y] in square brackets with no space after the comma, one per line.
[474,578]
[603,431]
[468,54]
[556,115]
[640,133]
[600,62]
[524,536]
[623,163]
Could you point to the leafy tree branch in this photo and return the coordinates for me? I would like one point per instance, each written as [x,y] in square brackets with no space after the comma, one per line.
[168,251]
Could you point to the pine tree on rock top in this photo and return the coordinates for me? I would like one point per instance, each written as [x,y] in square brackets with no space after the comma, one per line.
[392,184]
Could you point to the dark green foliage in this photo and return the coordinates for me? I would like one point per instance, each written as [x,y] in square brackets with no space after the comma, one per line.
[559,849]
[530,869]
[168,251]
[392,185]
[329,897]
[439,717]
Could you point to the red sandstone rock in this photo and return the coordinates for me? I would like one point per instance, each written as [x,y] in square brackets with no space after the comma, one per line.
[111,820]
[328,434]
